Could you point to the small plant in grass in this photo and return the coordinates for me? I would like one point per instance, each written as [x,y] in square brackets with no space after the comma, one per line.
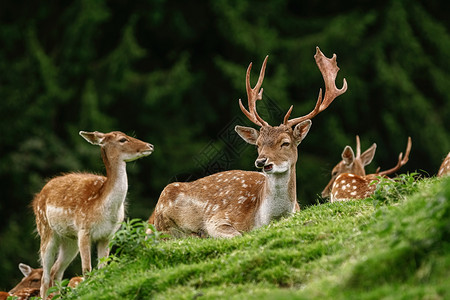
[60,290]
[391,190]
[133,236]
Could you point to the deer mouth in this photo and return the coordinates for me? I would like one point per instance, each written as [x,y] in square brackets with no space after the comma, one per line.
[268,168]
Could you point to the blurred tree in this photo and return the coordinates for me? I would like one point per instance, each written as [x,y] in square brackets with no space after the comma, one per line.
[171,72]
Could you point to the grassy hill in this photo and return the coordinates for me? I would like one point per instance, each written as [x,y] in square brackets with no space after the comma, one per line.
[395,245]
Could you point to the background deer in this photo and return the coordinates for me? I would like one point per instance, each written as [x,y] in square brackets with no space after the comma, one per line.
[31,279]
[445,167]
[77,209]
[348,177]
[228,203]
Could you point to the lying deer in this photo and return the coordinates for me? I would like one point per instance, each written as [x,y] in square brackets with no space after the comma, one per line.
[348,177]
[30,284]
[225,204]
[31,279]
[445,167]
[78,209]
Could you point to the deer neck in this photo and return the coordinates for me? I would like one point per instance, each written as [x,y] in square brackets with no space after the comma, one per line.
[116,185]
[278,197]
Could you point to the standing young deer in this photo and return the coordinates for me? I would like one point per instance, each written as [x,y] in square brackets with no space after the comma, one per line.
[228,203]
[348,177]
[78,209]
[445,167]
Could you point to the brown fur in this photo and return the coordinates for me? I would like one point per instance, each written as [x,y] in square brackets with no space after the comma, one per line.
[78,209]
[444,169]
[228,203]
[349,179]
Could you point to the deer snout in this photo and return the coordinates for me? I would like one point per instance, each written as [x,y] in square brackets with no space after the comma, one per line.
[260,162]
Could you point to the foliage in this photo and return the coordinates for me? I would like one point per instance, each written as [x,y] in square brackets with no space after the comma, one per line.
[331,251]
[171,72]
[389,190]
[132,237]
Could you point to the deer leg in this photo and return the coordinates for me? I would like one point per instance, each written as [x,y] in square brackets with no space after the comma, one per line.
[84,244]
[48,254]
[221,229]
[68,249]
[102,251]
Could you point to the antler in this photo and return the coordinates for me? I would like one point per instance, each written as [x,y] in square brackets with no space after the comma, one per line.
[329,69]
[358,146]
[401,162]
[254,94]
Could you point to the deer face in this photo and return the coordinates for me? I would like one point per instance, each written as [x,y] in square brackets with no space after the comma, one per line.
[277,146]
[119,145]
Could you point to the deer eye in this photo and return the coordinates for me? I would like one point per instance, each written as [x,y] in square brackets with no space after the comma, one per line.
[123,140]
[334,173]
[285,144]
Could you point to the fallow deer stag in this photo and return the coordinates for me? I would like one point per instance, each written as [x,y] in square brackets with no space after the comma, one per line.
[349,179]
[77,209]
[225,204]
[445,167]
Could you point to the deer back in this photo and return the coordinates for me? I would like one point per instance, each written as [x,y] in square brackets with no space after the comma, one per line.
[444,169]
[350,186]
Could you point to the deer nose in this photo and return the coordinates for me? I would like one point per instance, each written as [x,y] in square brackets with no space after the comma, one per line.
[260,162]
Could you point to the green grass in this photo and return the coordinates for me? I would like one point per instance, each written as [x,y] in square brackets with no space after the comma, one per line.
[395,245]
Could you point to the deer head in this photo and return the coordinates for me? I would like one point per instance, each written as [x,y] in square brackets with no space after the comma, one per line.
[277,146]
[31,279]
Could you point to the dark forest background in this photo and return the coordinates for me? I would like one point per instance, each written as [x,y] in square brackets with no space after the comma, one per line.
[171,73]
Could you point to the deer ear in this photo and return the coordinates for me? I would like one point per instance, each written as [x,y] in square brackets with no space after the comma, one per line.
[95,138]
[25,269]
[348,156]
[301,130]
[248,134]
[367,156]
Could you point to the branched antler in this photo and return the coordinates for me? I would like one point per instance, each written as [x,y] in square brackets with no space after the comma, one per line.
[254,94]
[329,69]
[401,161]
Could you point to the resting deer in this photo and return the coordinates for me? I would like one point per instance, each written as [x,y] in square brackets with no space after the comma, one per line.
[225,204]
[445,167]
[348,177]
[31,279]
[78,209]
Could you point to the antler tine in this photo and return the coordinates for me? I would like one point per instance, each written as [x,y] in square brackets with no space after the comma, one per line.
[358,146]
[401,160]
[254,94]
[329,69]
